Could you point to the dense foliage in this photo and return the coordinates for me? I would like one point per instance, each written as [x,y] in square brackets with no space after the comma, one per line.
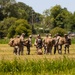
[58,30]
[59,17]
[5,26]
[20,26]
[11,11]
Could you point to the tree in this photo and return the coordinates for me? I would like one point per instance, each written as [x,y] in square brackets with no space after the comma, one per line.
[71,22]
[5,25]
[1,14]
[20,26]
[57,17]
[21,11]
[51,16]
[58,30]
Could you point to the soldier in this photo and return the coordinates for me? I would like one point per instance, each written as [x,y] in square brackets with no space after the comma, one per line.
[55,43]
[58,36]
[22,37]
[50,36]
[22,41]
[16,48]
[35,43]
[16,43]
[29,44]
[44,44]
[59,45]
[39,44]
[67,43]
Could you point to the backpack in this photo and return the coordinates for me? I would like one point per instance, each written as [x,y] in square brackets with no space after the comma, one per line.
[39,41]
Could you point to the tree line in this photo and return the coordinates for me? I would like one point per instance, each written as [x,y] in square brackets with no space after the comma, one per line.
[17,17]
[59,17]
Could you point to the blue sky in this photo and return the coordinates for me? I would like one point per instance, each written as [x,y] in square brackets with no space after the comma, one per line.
[41,5]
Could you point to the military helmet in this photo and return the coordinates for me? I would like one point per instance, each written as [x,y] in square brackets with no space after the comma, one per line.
[55,35]
[50,34]
[23,34]
[18,36]
[65,35]
[47,35]
[38,35]
[30,36]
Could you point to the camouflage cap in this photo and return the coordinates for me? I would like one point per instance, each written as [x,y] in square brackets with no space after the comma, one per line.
[38,35]
[57,34]
[18,36]
[50,34]
[65,35]
[30,36]
[23,33]
[46,35]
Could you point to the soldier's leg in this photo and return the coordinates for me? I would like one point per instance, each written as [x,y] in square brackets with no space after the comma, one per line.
[22,50]
[60,49]
[19,50]
[15,50]
[54,49]
[68,48]
[50,49]
[65,49]
[28,50]
[45,49]
[57,48]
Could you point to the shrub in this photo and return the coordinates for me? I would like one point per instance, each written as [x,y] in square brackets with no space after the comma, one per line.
[58,30]
[4,41]
[20,26]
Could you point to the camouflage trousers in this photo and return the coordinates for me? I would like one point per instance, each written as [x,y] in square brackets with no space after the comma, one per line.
[66,46]
[28,50]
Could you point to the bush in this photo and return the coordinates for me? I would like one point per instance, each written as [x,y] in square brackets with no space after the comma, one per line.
[58,30]
[5,25]
[20,26]
[4,41]
[73,40]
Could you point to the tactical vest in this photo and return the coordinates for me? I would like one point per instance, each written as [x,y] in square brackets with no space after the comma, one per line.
[39,41]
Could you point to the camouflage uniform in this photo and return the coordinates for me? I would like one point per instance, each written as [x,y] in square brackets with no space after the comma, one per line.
[55,43]
[39,42]
[16,48]
[67,43]
[50,36]
[22,41]
[59,45]
[29,44]
[44,45]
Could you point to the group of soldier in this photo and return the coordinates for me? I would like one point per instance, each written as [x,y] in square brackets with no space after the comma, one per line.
[19,42]
[47,43]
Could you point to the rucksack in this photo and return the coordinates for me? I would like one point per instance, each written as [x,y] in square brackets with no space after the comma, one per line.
[39,41]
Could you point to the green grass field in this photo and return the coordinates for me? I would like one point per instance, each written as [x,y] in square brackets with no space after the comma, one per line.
[6,52]
[34,64]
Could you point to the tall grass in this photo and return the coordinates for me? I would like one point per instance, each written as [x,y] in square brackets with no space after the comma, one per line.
[4,41]
[73,40]
[64,66]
